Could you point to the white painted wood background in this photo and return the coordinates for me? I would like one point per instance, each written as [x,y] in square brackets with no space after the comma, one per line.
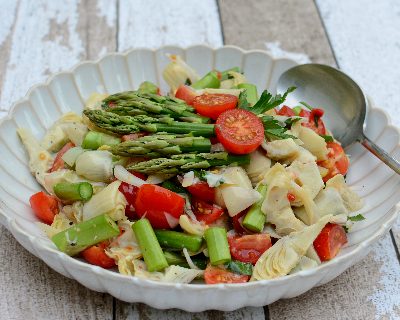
[40,37]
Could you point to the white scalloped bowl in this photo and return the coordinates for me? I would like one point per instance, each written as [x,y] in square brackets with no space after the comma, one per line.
[66,91]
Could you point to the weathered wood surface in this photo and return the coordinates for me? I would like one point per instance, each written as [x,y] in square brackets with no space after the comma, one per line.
[38,38]
[295,26]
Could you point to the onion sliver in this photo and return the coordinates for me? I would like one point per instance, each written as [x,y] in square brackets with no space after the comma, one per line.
[189,260]
[172,221]
[124,175]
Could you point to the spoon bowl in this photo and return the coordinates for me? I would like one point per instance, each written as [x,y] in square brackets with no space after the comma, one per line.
[344,103]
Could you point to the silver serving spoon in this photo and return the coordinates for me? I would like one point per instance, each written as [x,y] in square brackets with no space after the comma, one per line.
[341,98]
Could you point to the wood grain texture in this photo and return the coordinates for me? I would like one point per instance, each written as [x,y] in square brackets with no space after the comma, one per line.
[295,25]
[127,311]
[31,290]
[50,36]
[8,19]
[153,23]
[38,38]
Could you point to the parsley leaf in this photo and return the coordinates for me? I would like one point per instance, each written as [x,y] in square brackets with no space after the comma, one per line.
[275,130]
[290,121]
[358,217]
[266,101]
[201,174]
[240,267]
[327,138]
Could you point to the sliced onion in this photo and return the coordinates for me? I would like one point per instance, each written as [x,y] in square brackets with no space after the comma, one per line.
[189,260]
[124,175]
[188,208]
[172,221]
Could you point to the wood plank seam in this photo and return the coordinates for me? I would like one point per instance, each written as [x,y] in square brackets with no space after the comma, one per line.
[326,33]
[396,248]
[221,25]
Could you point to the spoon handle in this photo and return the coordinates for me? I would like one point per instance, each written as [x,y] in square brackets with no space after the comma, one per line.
[380,153]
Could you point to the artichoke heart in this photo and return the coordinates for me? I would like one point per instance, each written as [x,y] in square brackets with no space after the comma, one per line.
[108,201]
[95,165]
[287,252]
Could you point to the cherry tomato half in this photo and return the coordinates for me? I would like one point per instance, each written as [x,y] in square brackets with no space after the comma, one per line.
[337,161]
[130,193]
[213,275]
[237,221]
[240,131]
[212,105]
[203,191]
[161,206]
[249,248]
[329,241]
[186,94]
[44,206]
[97,256]
[286,111]
[206,212]
[314,122]
[58,161]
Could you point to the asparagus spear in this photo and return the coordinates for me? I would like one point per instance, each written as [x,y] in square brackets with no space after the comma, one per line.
[179,260]
[133,103]
[128,124]
[217,244]
[81,191]
[161,145]
[178,240]
[85,234]
[94,140]
[187,162]
[255,218]
[148,243]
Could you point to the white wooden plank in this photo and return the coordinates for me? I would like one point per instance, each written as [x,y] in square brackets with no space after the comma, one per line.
[51,36]
[36,39]
[154,23]
[7,25]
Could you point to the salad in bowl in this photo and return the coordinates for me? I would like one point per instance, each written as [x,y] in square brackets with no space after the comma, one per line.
[207,182]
